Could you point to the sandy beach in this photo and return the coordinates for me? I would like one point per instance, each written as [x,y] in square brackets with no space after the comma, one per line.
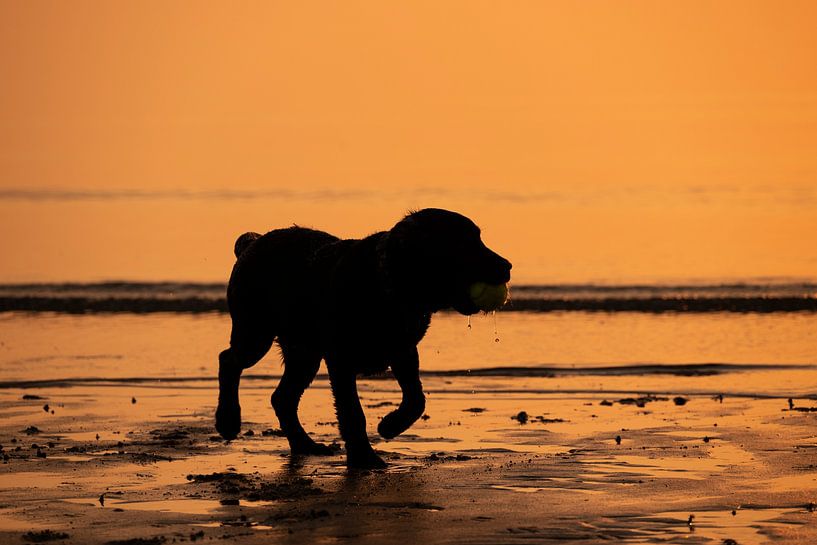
[561,457]
[640,179]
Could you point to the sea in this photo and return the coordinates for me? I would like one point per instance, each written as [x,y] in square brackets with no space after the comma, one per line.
[693,290]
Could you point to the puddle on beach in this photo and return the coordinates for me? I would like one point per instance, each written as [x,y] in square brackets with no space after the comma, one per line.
[11,521]
[553,483]
[802,481]
[745,526]
[697,464]
[72,458]
[251,525]
[36,479]
[188,506]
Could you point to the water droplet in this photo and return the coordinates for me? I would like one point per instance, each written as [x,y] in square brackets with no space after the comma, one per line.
[496,332]
[469,323]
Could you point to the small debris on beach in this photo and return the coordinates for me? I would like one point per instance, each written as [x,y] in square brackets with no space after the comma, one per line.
[31,430]
[521,417]
[680,400]
[27,397]
[215,477]
[542,420]
[249,433]
[171,437]
[102,499]
[156,540]
[442,457]
[641,401]
[43,536]
[425,417]
[706,439]
[690,520]
[606,403]
[133,401]
[46,408]
[618,439]
[273,432]
[380,404]
[718,398]
[805,409]
[791,404]
[475,410]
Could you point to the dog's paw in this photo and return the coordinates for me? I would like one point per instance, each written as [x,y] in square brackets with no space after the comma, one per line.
[311,448]
[393,424]
[228,421]
[364,459]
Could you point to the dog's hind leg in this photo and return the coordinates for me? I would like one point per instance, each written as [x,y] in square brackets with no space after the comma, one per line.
[300,367]
[351,420]
[247,347]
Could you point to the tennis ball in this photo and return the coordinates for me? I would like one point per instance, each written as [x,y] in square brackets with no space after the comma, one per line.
[488,297]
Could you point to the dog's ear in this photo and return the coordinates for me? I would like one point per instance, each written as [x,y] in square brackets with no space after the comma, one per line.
[402,247]
[408,237]
[404,261]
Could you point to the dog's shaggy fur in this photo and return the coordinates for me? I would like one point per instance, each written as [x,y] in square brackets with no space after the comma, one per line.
[360,305]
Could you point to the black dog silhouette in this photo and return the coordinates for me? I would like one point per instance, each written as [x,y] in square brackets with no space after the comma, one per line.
[360,305]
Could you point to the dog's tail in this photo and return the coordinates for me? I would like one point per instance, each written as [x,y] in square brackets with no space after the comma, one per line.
[243,242]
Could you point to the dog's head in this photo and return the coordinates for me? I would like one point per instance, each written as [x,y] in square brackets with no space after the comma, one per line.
[435,257]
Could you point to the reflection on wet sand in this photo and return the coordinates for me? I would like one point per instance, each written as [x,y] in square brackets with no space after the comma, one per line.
[560,475]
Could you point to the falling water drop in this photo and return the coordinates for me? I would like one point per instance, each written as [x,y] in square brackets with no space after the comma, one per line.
[496,332]
[469,323]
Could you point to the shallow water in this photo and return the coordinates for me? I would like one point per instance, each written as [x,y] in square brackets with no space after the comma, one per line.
[740,353]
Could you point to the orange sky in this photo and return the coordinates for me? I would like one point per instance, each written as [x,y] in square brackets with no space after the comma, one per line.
[634,101]
[267,94]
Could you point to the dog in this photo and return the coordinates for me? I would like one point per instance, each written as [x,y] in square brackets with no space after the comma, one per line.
[362,305]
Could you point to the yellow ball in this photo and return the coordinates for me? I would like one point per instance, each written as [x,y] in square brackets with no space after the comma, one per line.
[488,297]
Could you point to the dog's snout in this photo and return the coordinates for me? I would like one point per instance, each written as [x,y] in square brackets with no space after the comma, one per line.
[498,268]
[506,267]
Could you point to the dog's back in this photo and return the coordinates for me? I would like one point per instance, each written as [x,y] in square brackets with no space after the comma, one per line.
[271,281]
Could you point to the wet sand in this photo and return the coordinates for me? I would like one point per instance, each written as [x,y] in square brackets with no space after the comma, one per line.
[139,464]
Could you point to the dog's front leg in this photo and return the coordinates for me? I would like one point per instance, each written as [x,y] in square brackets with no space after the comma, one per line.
[406,370]
[351,420]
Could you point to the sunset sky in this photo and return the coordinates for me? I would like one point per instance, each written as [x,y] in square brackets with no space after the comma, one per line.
[640,103]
